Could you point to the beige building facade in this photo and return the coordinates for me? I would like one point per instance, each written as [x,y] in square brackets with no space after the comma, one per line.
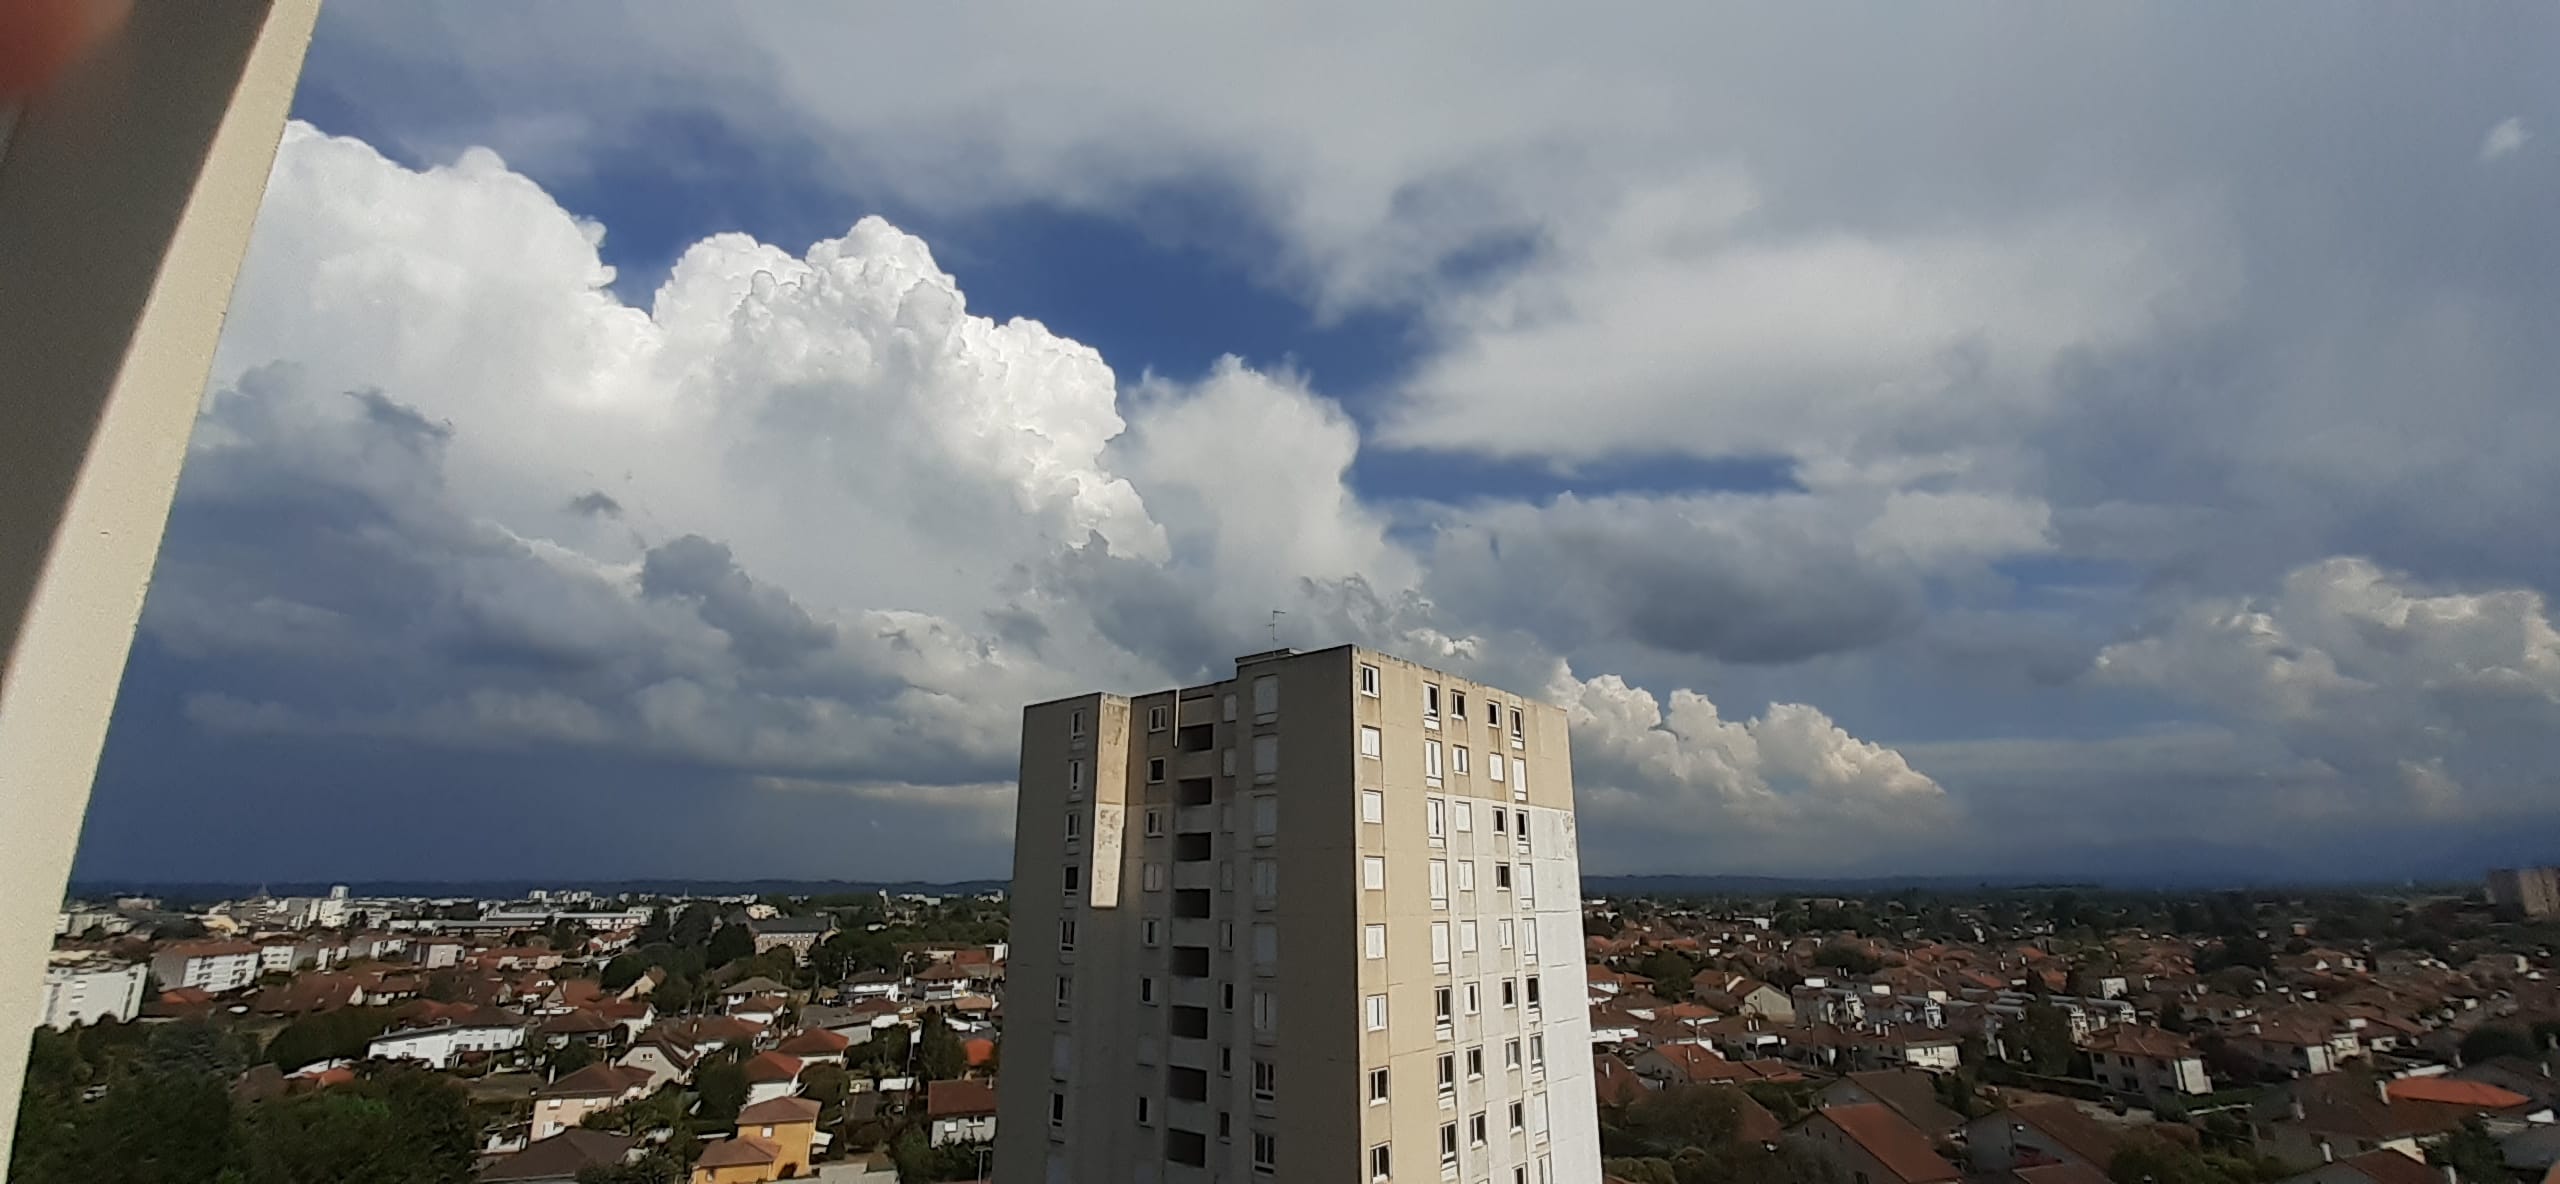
[1320,921]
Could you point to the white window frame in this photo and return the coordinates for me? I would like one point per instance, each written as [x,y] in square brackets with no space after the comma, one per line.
[1467,935]
[1159,718]
[1493,767]
[1374,1011]
[1373,806]
[1266,698]
[1431,701]
[1369,680]
[1379,1083]
[1435,816]
[1373,873]
[1475,998]
[1431,762]
[1075,779]
[1153,877]
[1075,724]
[1374,942]
[1458,759]
[1440,944]
[1439,872]
[1458,705]
[1466,875]
[1155,823]
[1373,743]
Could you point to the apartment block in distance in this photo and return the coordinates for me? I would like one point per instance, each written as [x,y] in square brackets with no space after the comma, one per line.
[2526,892]
[1318,922]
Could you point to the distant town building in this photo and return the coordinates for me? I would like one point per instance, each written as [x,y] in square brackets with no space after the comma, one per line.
[84,990]
[2526,891]
[210,966]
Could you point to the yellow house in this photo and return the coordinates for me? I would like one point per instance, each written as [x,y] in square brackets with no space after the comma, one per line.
[773,1142]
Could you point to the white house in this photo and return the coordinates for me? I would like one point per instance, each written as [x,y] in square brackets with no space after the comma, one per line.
[442,1043]
[961,1112]
[210,966]
[2142,1060]
[86,990]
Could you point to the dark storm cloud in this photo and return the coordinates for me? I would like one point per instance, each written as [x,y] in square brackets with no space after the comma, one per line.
[764,625]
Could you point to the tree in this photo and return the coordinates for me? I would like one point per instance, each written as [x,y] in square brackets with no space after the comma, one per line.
[622,971]
[1847,959]
[2489,1041]
[692,927]
[2044,1038]
[1684,1116]
[405,1126]
[826,1085]
[721,1084]
[886,1055]
[328,1035]
[939,1054]
[654,930]
[729,944]
[1670,971]
[2157,1161]
[570,1057]
[2473,1155]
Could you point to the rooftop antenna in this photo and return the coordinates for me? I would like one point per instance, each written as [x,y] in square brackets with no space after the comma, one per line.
[1276,614]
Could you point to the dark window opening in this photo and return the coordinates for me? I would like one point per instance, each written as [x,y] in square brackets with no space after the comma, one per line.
[1195,738]
[1193,848]
[1191,961]
[1191,902]
[1187,1085]
[1191,1023]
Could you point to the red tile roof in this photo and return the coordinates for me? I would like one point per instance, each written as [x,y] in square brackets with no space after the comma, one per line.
[2385,1166]
[2454,1092]
[1892,1142]
[959,1099]
[737,1151]
[772,1066]
[815,1042]
[777,1111]
[2078,1133]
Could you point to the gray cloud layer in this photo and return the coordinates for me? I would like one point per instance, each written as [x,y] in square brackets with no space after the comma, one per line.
[2159,388]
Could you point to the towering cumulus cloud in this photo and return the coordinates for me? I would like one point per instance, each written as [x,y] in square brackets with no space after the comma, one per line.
[804,523]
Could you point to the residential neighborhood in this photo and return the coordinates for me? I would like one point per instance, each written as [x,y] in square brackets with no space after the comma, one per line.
[2021,1038]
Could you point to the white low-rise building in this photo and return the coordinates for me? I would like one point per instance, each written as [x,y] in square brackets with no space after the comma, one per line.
[86,990]
[211,966]
[440,1045]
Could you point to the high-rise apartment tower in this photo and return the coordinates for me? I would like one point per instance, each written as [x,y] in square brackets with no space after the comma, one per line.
[1319,922]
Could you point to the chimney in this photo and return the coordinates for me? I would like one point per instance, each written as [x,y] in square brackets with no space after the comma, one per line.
[2382,1088]
[2451,1176]
[2326,1155]
[2296,1110]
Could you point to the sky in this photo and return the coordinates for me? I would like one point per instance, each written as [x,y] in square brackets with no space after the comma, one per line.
[675,440]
